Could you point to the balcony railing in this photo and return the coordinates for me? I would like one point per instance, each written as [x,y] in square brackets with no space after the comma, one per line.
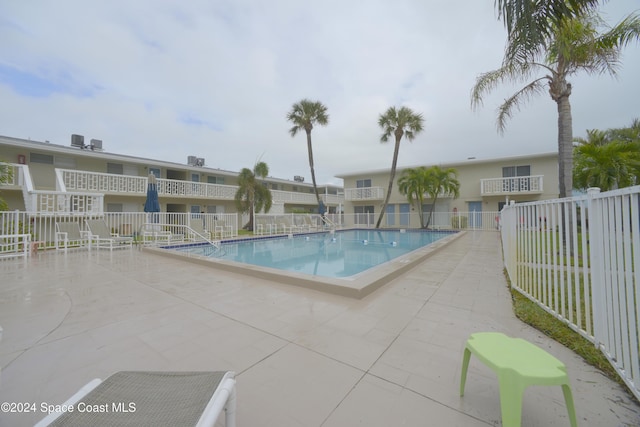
[292,197]
[305,198]
[516,184]
[10,174]
[56,202]
[74,180]
[364,193]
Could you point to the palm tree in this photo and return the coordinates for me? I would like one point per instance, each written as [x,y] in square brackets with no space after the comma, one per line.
[608,159]
[412,183]
[529,23]
[252,195]
[573,45]
[6,175]
[304,115]
[441,182]
[627,134]
[609,166]
[399,123]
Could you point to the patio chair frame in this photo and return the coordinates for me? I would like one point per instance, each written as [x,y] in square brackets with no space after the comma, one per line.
[100,235]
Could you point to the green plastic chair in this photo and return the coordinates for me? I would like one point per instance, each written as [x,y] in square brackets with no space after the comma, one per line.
[518,364]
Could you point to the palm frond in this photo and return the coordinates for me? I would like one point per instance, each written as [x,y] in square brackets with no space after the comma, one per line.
[510,73]
[530,23]
[401,121]
[513,103]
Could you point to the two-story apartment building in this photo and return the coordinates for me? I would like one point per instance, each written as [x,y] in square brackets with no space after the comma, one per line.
[52,178]
[485,186]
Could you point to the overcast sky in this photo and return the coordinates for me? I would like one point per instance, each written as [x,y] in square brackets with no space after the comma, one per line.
[216,78]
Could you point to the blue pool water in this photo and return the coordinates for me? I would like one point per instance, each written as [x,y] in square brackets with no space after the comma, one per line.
[342,254]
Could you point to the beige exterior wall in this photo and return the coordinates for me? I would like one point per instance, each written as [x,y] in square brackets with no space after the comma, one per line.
[13,150]
[470,174]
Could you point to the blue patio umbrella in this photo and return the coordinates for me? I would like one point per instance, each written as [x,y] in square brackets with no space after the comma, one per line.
[152,205]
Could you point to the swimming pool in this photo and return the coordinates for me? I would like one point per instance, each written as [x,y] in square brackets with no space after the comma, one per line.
[339,254]
[348,262]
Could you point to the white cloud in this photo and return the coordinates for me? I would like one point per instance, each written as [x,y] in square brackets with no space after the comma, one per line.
[168,79]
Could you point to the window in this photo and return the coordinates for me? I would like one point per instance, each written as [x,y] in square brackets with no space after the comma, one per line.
[41,158]
[520,178]
[64,162]
[155,172]
[511,171]
[364,214]
[363,183]
[215,180]
[274,186]
[390,215]
[114,207]
[294,188]
[115,168]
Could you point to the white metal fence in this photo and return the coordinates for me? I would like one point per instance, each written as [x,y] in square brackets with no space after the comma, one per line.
[488,220]
[578,258]
[42,228]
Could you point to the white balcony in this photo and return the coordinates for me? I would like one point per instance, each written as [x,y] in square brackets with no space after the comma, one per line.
[293,197]
[75,181]
[56,202]
[515,185]
[364,193]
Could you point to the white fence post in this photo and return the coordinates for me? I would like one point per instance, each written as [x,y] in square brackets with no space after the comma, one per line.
[596,255]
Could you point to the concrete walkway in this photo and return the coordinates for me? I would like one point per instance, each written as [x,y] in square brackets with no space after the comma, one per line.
[303,358]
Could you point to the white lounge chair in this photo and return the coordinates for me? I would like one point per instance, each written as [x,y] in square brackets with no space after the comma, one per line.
[69,233]
[265,226]
[103,238]
[152,399]
[222,229]
[287,226]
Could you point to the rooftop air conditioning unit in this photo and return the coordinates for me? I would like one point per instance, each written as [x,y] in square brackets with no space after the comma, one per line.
[298,178]
[77,141]
[199,161]
[96,144]
[191,160]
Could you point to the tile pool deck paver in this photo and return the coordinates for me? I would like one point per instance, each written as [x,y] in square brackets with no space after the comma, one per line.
[303,358]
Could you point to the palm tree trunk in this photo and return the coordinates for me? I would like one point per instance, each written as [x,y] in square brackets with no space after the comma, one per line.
[249,226]
[313,172]
[565,146]
[565,162]
[396,149]
[433,208]
[420,213]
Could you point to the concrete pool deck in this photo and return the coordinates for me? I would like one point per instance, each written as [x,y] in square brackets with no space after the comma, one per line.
[303,358]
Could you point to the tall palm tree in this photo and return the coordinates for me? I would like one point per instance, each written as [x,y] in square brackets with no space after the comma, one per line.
[399,123]
[441,182]
[529,23]
[304,115]
[574,45]
[412,183]
[252,195]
